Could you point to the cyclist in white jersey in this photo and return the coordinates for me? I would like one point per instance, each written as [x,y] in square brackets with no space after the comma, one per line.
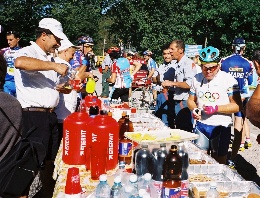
[213,97]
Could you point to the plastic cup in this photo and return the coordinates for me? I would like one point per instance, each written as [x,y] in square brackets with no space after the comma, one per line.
[75,84]
[98,162]
[73,182]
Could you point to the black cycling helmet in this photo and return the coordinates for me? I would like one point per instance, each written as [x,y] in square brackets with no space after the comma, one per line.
[209,55]
[238,43]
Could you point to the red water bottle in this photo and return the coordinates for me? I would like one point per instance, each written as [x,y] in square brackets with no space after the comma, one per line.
[75,138]
[104,132]
[92,101]
[172,169]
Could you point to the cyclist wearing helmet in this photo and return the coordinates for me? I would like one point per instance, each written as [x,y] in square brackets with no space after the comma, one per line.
[185,70]
[152,73]
[241,69]
[214,96]
[120,75]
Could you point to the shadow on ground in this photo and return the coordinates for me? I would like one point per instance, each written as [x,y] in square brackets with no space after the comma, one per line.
[246,170]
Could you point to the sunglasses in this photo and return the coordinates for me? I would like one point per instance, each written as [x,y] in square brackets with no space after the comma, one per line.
[212,68]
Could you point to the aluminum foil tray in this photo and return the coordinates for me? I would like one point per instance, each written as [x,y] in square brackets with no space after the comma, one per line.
[160,136]
[199,157]
[233,189]
[212,172]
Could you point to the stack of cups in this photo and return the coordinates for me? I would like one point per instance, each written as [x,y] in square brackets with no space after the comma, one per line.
[73,188]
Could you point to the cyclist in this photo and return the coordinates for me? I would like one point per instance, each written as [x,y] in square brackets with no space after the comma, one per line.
[214,96]
[120,75]
[152,73]
[13,39]
[241,69]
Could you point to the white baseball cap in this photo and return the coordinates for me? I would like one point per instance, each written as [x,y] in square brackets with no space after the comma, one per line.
[54,26]
[65,44]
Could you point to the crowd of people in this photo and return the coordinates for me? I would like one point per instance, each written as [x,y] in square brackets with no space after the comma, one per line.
[39,80]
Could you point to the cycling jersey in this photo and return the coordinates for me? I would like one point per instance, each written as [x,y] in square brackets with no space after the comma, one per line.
[240,68]
[78,60]
[122,69]
[10,55]
[151,64]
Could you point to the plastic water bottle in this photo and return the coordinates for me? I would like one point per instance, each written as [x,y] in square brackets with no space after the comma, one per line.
[159,157]
[122,173]
[184,174]
[103,189]
[116,188]
[131,189]
[146,183]
[143,161]
[212,192]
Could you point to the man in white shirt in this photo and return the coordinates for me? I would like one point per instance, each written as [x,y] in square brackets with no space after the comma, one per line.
[36,76]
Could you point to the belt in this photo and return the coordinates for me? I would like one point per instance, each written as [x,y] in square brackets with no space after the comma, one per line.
[41,109]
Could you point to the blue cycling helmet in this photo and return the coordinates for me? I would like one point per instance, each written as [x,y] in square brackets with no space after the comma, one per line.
[209,55]
[147,53]
[85,40]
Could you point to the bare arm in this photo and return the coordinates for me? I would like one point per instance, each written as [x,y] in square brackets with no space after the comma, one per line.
[191,102]
[151,73]
[112,78]
[33,64]
[168,83]
[137,66]
[253,108]
[234,106]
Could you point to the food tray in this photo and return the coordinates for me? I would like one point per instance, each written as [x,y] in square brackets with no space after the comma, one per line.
[212,172]
[227,189]
[160,136]
[200,157]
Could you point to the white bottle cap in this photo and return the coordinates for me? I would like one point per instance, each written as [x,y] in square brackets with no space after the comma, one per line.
[117,179]
[142,192]
[147,176]
[103,177]
[133,178]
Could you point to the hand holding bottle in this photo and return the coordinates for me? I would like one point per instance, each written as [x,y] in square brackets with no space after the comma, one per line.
[196,114]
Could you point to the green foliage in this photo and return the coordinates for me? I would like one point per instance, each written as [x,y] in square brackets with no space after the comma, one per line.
[144,24]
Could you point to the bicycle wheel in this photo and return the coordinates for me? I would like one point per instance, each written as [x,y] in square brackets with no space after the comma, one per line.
[141,98]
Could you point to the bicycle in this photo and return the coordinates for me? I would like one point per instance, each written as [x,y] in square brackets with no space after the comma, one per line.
[142,97]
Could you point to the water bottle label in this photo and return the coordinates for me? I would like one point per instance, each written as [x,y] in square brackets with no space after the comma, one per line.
[125,148]
[157,187]
[171,192]
[184,189]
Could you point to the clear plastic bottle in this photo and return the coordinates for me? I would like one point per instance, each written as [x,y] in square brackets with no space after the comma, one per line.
[184,174]
[212,192]
[131,189]
[146,183]
[122,173]
[143,161]
[103,189]
[116,188]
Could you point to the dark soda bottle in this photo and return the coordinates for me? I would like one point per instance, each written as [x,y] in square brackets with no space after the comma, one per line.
[184,174]
[125,145]
[122,119]
[143,161]
[172,169]
[158,160]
